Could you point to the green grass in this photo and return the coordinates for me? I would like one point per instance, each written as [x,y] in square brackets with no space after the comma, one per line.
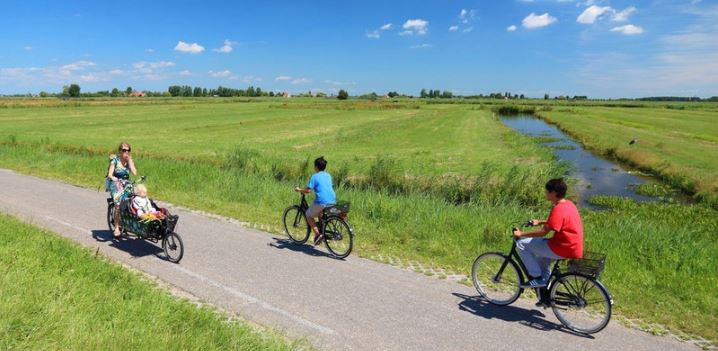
[58,296]
[438,183]
[680,145]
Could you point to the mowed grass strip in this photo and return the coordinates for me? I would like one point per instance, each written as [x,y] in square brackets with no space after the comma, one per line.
[55,295]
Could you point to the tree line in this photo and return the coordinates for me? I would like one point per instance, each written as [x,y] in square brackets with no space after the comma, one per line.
[74,90]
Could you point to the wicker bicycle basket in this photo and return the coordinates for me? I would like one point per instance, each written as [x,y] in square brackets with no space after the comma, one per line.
[592,264]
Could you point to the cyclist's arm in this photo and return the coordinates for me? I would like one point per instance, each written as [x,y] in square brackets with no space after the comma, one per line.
[131,163]
[534,233]
[303,190]
[535,222]
[110,171]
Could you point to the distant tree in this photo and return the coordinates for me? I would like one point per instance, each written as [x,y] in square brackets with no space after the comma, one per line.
[392,94]
[343,95]
[271,94]
[545,96]
[197,92]
[423,94]
[174,90]
[44,94]
[521,96]
[447,94]
[115,92]
[128,91]
[73,90]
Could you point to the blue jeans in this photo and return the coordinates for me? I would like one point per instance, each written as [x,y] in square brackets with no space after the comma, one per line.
[536,256]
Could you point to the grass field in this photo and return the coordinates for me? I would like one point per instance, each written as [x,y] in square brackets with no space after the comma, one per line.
[438,183]
[680,145]
[58,296]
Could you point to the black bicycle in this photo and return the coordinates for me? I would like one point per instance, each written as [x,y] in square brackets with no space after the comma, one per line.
[574,293]
[338,234]
[158,230]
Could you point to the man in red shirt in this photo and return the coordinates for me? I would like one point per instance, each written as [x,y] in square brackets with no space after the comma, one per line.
[536,251]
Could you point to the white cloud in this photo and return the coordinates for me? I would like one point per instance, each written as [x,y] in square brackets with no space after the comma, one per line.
[89,78]
[27,48]
[622,16]
[373,34]
[376,34]
[77,66]
[117,72]
[418,26]
[282,78]
[468,29]
[338,83]
[453,28]
[250,79]
[406,32]
[511,28]
[226,48]
[463,13]
[592,13]
[192,48]
[150,50]
[301,81]
[537,21]
[220,74]
[185,73]
[152,65]
[420,46]
[628,29]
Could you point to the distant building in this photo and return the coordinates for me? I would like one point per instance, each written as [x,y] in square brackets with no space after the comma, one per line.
[286,94]
[137,94]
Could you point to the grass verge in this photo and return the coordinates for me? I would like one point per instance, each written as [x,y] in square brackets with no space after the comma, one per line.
[58,296]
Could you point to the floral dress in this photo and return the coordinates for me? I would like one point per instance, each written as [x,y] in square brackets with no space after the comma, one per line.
[122,173]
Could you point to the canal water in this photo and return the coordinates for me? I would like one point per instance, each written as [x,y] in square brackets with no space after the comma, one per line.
[595,175]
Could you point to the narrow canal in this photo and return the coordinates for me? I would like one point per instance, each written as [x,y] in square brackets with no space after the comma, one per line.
[595,175]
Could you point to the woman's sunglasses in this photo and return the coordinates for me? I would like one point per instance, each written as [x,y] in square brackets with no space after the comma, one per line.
[126,150]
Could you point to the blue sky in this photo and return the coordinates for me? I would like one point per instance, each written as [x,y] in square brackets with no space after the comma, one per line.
[577,47]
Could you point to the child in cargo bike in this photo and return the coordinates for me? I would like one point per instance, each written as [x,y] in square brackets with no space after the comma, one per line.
[321,184]
[144,208]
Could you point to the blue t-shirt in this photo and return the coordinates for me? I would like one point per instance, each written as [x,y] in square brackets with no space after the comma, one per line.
[321,184]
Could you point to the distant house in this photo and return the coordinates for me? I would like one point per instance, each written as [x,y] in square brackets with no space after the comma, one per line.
[286,94]
[137,94]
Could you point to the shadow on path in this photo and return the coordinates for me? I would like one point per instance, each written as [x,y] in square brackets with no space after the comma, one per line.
[134,247]
[529,317]
[286,244]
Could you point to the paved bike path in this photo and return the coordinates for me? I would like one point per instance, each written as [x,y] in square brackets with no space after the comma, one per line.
[352,304]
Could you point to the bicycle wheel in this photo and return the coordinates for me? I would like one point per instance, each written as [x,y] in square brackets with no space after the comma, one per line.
[338,236]
[499,288]
[295,224]
[173,247]
[111,217]
[581,303]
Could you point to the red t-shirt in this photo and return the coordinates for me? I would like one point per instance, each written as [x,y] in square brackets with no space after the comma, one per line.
[565,221]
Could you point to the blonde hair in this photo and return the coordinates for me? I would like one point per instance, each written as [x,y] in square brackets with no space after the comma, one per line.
[140,188]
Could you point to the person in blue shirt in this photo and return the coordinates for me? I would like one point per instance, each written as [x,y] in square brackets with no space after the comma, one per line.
[321,184]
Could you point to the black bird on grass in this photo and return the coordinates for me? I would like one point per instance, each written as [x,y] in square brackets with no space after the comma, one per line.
[633,141]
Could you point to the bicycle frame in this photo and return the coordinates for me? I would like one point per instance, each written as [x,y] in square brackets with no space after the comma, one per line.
[303,207]
[514,256]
